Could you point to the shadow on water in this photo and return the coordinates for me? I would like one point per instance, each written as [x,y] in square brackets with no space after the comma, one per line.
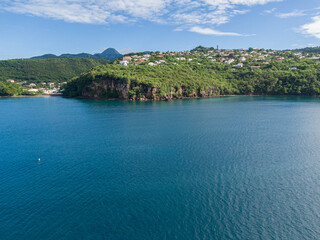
[121,105]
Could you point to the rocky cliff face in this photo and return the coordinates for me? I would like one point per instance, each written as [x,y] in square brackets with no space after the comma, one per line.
[106,89]
[118,89]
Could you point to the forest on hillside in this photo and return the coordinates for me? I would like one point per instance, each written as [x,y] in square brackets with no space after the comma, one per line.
[46,70]
[273,79]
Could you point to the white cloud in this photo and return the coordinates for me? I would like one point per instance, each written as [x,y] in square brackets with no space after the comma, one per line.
[187,13]
[87,11]
[313,28]
[210,31]
[105,11]
[295,13]
[269,11]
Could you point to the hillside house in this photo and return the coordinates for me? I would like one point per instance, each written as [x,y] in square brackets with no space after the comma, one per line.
[51,84]
[33,90]
[126,58]
[124,63]
[230,61]
[239,65]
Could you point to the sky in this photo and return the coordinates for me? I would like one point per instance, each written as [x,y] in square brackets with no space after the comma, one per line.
[36,27]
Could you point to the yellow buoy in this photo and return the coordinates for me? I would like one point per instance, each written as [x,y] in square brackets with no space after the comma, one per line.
[39,160]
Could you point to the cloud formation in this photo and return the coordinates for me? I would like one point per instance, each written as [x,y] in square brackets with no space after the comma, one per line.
[295,13]
[185,13]
[106,11]
[210,31]
[313,28]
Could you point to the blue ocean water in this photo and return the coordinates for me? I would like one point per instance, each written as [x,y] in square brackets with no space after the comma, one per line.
[220,168]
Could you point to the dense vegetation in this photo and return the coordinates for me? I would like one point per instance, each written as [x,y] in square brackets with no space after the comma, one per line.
[46,70]
[309,50]
[200,72]
[275,78]
[11,89]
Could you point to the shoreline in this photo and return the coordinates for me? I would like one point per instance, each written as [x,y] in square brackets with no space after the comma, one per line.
[151,100]
[186,98]
[38,95]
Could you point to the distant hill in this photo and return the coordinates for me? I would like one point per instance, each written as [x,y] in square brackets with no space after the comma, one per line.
[108,54]
[46,70]
[309,50]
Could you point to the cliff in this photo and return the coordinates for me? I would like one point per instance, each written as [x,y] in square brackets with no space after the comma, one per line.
[191,80]
[108,88]
[143,83]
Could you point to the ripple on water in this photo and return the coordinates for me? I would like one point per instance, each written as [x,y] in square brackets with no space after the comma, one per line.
[224,168]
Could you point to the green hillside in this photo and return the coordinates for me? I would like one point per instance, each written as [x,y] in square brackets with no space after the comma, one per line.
[46,70]
[195,79]
[309,50]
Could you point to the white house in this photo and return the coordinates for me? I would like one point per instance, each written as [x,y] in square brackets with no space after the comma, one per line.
[239,65]
[230,61]
[123,63]
[33,90]
[51,84]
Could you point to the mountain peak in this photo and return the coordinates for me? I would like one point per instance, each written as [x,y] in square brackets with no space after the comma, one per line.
[108,54]
[110,50]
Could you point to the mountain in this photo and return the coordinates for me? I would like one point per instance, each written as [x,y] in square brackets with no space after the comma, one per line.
[108,54]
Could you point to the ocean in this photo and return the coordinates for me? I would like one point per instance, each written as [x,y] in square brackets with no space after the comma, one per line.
[218,168]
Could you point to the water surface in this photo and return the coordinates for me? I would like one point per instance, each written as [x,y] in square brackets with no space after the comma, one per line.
[221,168]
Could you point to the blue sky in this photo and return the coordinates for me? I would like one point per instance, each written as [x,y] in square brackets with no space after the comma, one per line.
[35,27]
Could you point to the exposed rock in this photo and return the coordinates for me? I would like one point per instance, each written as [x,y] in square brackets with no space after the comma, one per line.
[105,88]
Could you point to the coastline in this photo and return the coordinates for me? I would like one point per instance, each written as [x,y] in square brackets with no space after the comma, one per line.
[153,100]
[186,98]
[38,95]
